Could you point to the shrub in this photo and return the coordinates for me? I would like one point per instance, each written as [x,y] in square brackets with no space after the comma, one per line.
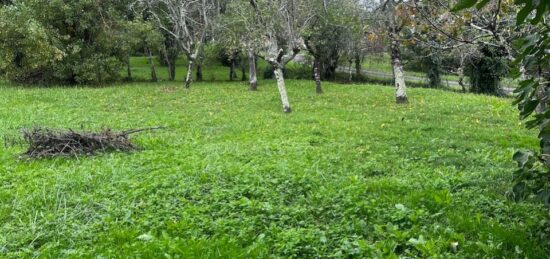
[486,70]
[54,41]
[433,63]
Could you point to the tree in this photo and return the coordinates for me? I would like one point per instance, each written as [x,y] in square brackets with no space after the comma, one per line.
[533,176]
[187,21]
[274,29]
[488,28]
[332,26]
[170,54]
[52,41]
[394,16]
[145,36]
[27,47]
[398,16]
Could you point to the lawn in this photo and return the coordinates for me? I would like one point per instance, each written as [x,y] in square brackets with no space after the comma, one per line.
[381,63]
[348,174]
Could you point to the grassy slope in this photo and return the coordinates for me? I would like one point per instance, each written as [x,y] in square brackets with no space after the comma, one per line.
[349,173]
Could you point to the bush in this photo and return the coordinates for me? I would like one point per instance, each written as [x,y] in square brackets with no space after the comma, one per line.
[54,42]
[486,70]
[433,63]
[291,71]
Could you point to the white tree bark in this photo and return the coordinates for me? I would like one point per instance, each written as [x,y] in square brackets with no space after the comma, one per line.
[317,75]
[187,21]
[398,72]
[189,76]
[253,76]
[460,73]
[400,87]
[282,89]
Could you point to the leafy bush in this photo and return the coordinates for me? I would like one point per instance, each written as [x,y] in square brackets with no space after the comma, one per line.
[533,176]
[486,70]
[56,41]
[27,48]
[433,64]
[291,71]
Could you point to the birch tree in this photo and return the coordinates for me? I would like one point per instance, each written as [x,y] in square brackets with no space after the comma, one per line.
[187,21]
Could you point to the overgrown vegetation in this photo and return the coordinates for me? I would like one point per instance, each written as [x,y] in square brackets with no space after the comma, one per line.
[348,174]
[532,179]
[353,173]
[62,41]
[487,70]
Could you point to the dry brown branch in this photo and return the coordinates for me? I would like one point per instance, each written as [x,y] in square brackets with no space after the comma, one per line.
[44,142]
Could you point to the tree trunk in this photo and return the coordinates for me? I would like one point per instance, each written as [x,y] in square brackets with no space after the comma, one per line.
[232,73]
[358,68]
[350,76]
[172,70]
[129,68]
[243,70]
[282,89]
[199,72]
[189,77]
[171,63]
[317,75]
[461,79]
[252,72]
[153,68]
[397,65]
[171,67]
[330,69]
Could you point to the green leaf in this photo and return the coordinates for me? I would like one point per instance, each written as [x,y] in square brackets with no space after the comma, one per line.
[523,13]
[463,4]
[482,4]
[520,191]
[522,157]
[528,108]
[541,10]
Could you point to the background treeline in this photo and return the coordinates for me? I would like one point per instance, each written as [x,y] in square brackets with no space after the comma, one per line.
[91,42]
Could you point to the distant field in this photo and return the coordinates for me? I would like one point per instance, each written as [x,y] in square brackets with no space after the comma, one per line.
[381,63]
[348,174]
[212,70]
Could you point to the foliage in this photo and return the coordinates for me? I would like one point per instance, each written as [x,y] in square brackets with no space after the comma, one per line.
[144,35]
[434,71]
[487,70]
[335,30]
[532,177]
[291,71]
[61,41]
[27,48]
[349,174]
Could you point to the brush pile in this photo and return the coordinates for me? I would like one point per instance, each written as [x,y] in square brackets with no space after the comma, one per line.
[43,142]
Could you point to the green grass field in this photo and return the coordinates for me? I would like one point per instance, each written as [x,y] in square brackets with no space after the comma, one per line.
[348,174]
[381,63]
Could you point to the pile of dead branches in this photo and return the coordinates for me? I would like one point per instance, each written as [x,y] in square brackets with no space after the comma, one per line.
[43,142]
